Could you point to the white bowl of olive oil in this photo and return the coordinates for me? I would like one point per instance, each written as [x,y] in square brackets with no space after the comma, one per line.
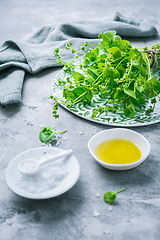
[119,148]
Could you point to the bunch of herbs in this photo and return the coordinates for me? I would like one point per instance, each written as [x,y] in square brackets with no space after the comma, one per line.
[114,71]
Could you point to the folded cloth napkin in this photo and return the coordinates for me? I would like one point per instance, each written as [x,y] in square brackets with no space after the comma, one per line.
[35,51]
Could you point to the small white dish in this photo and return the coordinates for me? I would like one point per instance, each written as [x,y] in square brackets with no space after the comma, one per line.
[12,173]
[120,133]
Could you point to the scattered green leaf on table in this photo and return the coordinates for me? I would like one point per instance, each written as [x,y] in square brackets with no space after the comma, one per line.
[110,196]
[48,133]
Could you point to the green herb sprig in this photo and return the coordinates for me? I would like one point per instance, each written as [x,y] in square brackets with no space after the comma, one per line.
[115,71]
[109,197]
[48,133]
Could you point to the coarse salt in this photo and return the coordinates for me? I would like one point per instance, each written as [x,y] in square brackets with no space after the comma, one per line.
[48,177]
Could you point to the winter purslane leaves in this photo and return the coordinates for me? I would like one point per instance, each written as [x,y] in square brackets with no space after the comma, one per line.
[113,70]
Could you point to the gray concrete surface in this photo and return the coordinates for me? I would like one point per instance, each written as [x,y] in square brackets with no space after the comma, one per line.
[73,215]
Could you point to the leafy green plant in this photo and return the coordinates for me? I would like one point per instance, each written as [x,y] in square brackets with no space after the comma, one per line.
[48,133]
[114,71]
[109,197]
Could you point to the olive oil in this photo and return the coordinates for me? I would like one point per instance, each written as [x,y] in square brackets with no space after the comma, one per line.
[118,151]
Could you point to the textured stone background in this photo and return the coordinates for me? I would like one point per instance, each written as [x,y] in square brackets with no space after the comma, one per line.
[80,213]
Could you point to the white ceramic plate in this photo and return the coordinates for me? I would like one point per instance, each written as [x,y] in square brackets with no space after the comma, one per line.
[12,173]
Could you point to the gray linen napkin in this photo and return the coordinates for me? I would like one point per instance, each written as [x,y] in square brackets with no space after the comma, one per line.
[35,51]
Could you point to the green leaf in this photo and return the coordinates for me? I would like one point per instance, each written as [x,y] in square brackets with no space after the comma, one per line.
[140,98]
[78,76]
[111,73]
[90,58]
[119,95]
[117,38]
[101,66]
[115,51]
[140,84]
[123,45]
[89,80]
[130,93]
[89,95]
[133,53]
[96,51]
[93,72]
[109,197]
[79,91]
[136,57]
[102,57]
[47,133]
[129,109]
[142,71]
[110,34]
[121,70]
[107,38]
[69,94]
[129,112]
[140,88]
[151,86]
[84,91]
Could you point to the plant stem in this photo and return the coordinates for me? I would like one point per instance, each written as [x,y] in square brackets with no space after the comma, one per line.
[77,99]
[120,190]
[149,69]
[77,51]
[61,132]
[93,44]
[121,61]
[97,78]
